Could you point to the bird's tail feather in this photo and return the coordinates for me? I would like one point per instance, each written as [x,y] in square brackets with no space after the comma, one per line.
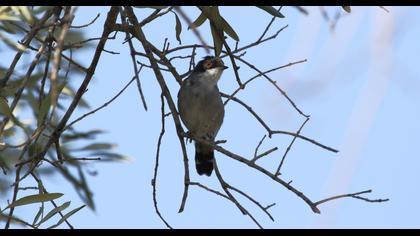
[204,156]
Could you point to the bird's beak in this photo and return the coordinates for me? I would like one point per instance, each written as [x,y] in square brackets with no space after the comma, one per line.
[225,67]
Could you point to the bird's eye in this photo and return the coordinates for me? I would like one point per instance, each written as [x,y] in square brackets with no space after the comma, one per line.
[207,64]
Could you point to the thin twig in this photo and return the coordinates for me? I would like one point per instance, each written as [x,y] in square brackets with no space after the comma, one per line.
[154,180]
[133,59]
[231,197]
[265,153]
[103,105]
[210,190]
[274,84]
[148,47]
[353,195]
[268,26]
[261,74]
[290,146]
[67,20]
[264,209]
[270,131]
[86,25]
[15,193]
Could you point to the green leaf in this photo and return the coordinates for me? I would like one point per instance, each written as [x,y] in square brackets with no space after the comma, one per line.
[199,21]
[54,211]
[347,8]
[271,10]
[178,28]
[228,29]
[218,43]
[41,209]
[5,16]
[97,146]
[27,15]
[4,108]
[111,157]
[11,43]
[66,216]
[81,135]
[41,9]
[35,199]
[216,32]
[9,28]
[44,108]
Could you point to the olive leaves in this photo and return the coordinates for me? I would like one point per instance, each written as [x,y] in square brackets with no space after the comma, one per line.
[219,26]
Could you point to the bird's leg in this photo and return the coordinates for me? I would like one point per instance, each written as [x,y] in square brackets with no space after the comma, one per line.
[188,136]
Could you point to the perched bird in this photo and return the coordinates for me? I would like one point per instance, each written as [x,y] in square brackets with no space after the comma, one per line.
[201,108]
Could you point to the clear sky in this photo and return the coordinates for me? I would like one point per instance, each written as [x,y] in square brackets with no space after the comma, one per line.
[360,85]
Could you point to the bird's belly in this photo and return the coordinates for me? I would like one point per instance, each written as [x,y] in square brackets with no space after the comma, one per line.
[204,117]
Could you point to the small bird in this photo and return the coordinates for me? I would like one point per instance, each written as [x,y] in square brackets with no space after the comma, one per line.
[201,108]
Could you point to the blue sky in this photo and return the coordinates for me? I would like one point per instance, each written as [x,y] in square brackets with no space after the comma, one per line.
[360,85]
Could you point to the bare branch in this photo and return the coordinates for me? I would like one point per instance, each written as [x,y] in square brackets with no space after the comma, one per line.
[273,83]
[290,146]
[15,192]
[85,25]
[67,20]
[353,195]
[231,197]
[105,104]
[268,26]
[148,47]
[133,58]
[210,190]
[154,180]
[258,146]
[261,74]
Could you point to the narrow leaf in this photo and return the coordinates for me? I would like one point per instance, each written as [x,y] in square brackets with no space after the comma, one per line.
[9,28]
[97,146]
[44,109]
[217,41]
[7,17]
[11,43]
[66,216]
[178,28]
[35,198]
[41,209]
[229,30]
[54,211]
[346,8]
[26,14]
[4,108]
[199,21]
[271,10]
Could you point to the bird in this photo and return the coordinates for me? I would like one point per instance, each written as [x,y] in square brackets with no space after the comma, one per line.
[201,108]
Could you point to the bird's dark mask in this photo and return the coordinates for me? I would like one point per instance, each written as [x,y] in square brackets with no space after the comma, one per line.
[209,62]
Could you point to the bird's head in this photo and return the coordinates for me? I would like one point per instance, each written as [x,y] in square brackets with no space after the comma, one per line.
[211,67]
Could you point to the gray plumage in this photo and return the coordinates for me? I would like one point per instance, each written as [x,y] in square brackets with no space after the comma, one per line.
[201,109]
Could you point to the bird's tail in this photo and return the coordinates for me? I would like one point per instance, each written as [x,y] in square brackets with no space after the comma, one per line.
[204,155]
